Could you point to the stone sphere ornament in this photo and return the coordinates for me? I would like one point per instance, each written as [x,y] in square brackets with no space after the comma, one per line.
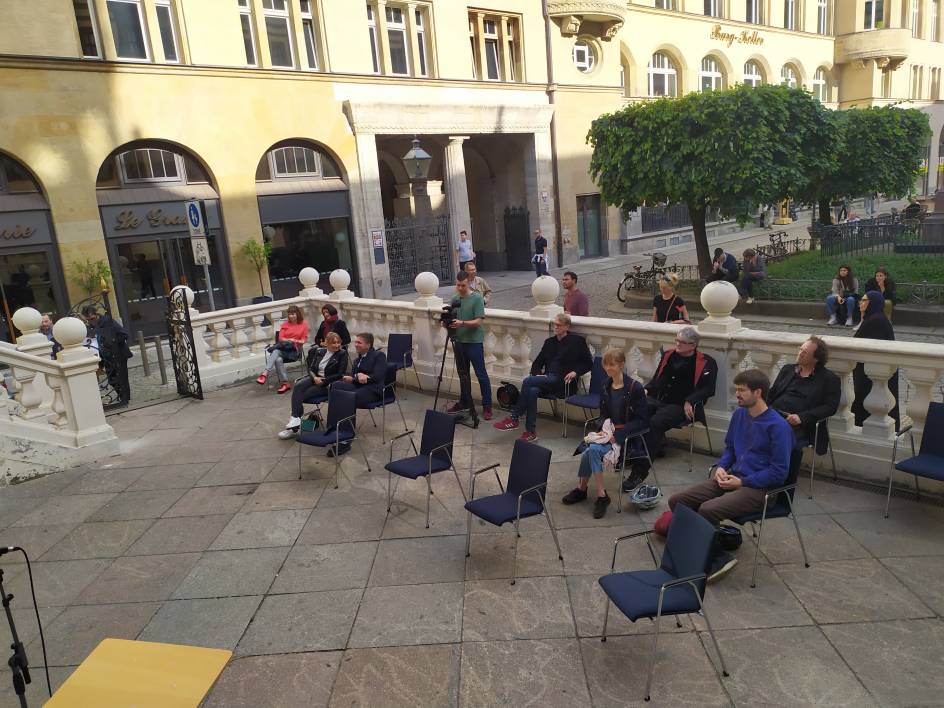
[69,331]
[426,283]
[339,279]
[545,290]
[719,298]
[27,319]
[308,277]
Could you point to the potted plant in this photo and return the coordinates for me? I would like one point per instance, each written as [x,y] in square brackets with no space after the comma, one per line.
[257,253]
[91,276]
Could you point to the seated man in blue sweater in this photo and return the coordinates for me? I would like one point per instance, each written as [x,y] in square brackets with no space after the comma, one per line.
[756,458]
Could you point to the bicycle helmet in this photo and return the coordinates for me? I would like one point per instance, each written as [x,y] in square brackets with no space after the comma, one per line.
[507,395]
[647,496]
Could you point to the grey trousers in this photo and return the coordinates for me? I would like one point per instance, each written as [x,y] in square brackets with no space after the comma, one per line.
[715,504]
[274,361]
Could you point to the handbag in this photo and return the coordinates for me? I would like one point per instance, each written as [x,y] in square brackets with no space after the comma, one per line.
[289,350]
[312,421]
[580,448]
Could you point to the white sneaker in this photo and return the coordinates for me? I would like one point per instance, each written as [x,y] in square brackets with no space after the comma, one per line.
[293,422]
[749,301]
[848,322]
[832,320]
[288,434]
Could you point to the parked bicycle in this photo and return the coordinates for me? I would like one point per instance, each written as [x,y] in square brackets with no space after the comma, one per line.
[640,280]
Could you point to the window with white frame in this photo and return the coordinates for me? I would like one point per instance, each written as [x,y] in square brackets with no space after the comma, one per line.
[886,84]
[583,56]
[663,78]
[372,32]
[821,85]
[397,40]
[510,27]
[713,8]
[493,38]
[88,32]
[874,14]
[278,33]
[935,13]
[822,16]
[915,17]
[168,29]
[492,64]
[127,27]
[666,4]
[753,75]
[310,34]
[249,39]
[295,161]
[421,68]
[752,11]
[150,165]
[789,14]
[709,76]
[788,76]
[935,84]
[917,82]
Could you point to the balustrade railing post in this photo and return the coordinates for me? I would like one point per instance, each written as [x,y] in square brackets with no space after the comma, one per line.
[32,388]
[80,406]
[879,401]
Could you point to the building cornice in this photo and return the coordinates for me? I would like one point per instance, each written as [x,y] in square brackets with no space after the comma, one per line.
[453,119]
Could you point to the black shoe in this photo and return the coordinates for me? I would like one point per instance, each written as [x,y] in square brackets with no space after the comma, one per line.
[343,449]
[722,564]
[599,506]
[636,477]
[574,496]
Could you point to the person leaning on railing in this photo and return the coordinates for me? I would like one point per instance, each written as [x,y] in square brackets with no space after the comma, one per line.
[325,366]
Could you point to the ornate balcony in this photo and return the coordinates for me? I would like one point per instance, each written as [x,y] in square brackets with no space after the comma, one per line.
[601,18]
[888,48]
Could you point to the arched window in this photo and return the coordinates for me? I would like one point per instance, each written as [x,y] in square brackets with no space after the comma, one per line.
[583,56]
[150,163]
[295,160]
[788,76]
[624,76]
[874,14]
[789,14]
[821,85]
[709,76]
[663,78]
[753,74]
[14,178]
[752,11]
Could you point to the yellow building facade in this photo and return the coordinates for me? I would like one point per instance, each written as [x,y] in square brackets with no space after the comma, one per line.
[290,119]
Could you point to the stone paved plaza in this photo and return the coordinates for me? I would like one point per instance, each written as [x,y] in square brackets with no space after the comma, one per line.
[200,533]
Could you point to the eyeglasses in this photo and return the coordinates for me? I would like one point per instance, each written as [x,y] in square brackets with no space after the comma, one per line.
[682,341]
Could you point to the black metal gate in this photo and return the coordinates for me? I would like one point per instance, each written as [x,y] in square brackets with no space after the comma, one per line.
[182,348]
[415,246]
[108,372]
[518,238]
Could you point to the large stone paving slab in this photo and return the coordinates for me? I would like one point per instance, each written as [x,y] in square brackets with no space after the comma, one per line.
[262,529]
[72,509]
[217,622]
[913,531]
[219,500]
[532,608]
[278,681]
[57,583]
[137,505]
[102,539]
[924,576]
[344,523]
[180,534]
[248,571]
[409,614]
[35,540]
[339,566]
[139,579]
[311,621]
[419,560]
[492,555]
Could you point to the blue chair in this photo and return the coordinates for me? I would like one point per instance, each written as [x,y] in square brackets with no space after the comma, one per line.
[341,427]
[778,504]
[824,423]
[591,399]
[435,455]
[929,462]
[570,390]
[675,587]
[400,354]
[700,417]
[389,397]
[523,497]
[625,457]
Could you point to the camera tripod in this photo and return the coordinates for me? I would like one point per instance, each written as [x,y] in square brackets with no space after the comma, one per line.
[465,382]
[18,663]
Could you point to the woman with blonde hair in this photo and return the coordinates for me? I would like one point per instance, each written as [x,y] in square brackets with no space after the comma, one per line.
[667,306]
[623,412]
[326,365]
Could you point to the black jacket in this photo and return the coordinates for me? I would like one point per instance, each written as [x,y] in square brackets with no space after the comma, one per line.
[561,356]
[703,386]
[874,326]
[374,364]
[338,328]
[872,284]
[634,406]
[112,338]
[337,364]
[823,401]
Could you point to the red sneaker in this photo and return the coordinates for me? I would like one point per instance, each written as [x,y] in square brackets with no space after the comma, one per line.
[507,424]
[286,386]
[487,412]
[262,379]
[528,436]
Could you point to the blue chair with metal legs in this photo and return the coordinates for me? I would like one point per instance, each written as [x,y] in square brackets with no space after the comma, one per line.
[628,454]
[389,398]
[400,354]
[570,390]
[675,587]
[929,462]
[821,424]
[435,455]
[340,428]
[523,497]
[591,399]
[700,417]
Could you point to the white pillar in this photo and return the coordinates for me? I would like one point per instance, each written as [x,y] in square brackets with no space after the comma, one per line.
[539,187]
[367,216]
[457,191]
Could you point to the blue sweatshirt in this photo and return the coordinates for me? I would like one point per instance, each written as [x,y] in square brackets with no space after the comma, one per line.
[758,449]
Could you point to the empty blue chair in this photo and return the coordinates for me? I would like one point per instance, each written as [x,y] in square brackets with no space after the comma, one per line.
[591,399]
[435,455]
[389,397]
[341,427]
[778,504]
[676,587]
[523,497]
[400,354]
[700,417]
[929,462]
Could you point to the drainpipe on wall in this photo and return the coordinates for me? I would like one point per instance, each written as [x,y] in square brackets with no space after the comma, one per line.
[551,88]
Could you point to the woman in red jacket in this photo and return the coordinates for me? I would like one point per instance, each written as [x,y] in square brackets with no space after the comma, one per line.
[287,348]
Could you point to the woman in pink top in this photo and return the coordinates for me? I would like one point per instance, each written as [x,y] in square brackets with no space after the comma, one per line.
[288,347]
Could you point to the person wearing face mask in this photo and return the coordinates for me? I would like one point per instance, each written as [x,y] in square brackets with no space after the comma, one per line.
[325,366]
[875,325]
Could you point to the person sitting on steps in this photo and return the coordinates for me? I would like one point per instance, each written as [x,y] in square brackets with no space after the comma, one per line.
[753,271]
[325,366]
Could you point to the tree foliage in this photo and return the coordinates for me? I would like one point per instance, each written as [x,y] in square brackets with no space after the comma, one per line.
[91,276]
[257,253]
[732,150]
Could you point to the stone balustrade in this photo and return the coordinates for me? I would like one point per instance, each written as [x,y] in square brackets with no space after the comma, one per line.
[232,347]
[55,419]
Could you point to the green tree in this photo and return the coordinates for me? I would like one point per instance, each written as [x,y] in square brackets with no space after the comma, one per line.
[257,253]
[91,276]
[731,150]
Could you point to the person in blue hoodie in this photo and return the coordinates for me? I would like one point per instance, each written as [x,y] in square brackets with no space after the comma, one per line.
[756,458]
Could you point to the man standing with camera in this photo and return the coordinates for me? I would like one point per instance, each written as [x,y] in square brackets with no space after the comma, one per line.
[468,310]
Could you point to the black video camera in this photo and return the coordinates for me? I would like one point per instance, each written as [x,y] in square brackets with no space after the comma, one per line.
[449,314]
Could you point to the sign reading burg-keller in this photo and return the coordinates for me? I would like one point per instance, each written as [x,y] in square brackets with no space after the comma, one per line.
[730,37]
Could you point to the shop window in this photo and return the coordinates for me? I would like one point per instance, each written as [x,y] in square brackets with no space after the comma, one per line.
[324,244]
[28,281]
[874,14]
[249,39]
[583,56]
[822,16]
[788,76]
[296,162]
[709,76]
[14,179]
[88,32]
[127,27]
[752,11]
[821,86]
[167,26]
[753,74]
[663,78]
[275,15]
[496,47]
[789,14]
[149,165]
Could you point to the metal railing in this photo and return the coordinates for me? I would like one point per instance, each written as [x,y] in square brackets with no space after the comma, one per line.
[883,235]
[674,216]
[923,293]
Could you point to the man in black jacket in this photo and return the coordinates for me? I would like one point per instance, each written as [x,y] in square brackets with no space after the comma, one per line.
[807,392]
[367,376]
[563,358]
[113,350]
[685,378]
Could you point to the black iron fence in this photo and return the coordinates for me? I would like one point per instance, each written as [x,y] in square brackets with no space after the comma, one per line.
[674,216]
[880,236]
[923,293]
[414,246]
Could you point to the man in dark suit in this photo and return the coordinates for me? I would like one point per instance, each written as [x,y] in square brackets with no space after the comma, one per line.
[807,392]
[563,358]
[113,350]
[367,376]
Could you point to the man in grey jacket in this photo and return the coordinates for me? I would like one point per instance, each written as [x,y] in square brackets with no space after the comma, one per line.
[752,271]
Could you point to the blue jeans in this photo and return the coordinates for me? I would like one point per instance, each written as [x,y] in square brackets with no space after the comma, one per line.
[540,268]
[591,461]
[832,305]
[474,353]
[531,387]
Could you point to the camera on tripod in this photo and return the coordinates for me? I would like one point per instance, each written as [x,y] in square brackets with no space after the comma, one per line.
[448,315]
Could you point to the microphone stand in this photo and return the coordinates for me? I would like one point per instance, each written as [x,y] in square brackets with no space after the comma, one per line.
[18,663]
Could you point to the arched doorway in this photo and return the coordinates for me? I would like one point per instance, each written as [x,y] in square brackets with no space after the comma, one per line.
[305,210]
[30,271]
[142,190]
